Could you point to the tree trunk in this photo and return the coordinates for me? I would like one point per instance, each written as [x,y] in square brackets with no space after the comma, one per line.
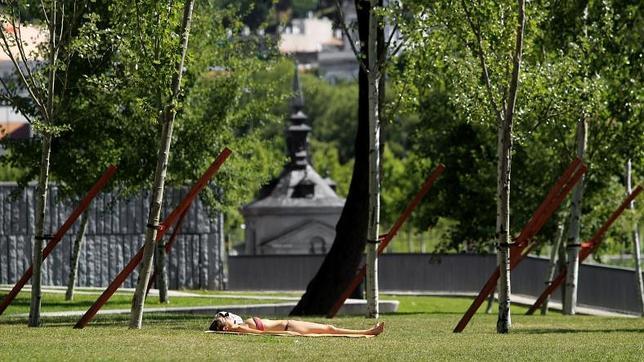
[167,117]
[161,272]
[490,298]
[636,244]
[341,263]
[503,224]
[552,266]
[373,227]
[561,268]
[490,301]
[47,114]
[41,205]
[504,320]
[574,243]
[78,241]
[223,256]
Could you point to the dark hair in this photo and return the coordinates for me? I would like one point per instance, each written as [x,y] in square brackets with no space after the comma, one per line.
[218,323]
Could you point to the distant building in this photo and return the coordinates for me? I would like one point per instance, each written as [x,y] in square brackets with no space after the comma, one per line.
[315,44]
[339,63]
[304,39]
[295,213]
[12,123]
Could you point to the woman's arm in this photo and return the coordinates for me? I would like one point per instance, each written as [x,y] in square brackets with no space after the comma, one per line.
[244,329]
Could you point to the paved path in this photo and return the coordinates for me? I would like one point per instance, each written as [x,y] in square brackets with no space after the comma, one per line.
[353,306]
[524,300]
[155,292]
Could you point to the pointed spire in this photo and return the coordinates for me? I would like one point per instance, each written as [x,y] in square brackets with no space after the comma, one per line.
[297,133]
[297,103]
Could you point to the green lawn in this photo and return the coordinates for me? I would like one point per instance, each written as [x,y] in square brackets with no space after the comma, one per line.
[420,331]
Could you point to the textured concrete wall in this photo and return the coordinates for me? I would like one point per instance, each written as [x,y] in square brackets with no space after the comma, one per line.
[599,286]
[114,234]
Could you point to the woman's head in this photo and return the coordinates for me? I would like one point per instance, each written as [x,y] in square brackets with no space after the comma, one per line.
[220,323]
[224,321]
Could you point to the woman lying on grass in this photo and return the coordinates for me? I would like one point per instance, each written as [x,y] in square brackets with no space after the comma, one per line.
[228,322]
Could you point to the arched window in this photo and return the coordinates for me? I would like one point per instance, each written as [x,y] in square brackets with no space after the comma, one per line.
[317,245]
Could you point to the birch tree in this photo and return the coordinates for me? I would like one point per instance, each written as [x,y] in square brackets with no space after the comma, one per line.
[552,265]
[503,108]
[639,284]
[78,242]
[355,236]
[373,226]
[38,73]
[166,118]
[573,244]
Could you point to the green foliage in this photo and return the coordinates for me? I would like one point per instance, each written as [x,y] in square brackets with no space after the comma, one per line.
[121,69]
[332,110]
[8,172]
[326,161]
[302,7]
[227,106]
[571,68]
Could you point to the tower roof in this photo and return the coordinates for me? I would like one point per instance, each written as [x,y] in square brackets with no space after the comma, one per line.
[298,185]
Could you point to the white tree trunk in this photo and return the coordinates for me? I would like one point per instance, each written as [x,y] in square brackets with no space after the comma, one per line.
[223,255]
[167,117]
[161,272]
[43,178]
[574,243]
[490,300]
[504,321]
[552,266]
[78,241]
[636,244]
[41,205]
[491,297]
[374,169]
[410,247]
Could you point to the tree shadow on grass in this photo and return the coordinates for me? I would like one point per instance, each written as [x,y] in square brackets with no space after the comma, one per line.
[570,330]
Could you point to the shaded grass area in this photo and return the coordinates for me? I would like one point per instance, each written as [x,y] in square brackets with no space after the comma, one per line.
[421,331]
[55,302]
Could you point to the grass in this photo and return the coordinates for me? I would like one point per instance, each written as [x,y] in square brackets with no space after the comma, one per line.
[420,331]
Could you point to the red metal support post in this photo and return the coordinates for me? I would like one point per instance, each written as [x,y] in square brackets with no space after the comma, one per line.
[429,182]
[522,246]
[84,204]
[169,221]
[587,249]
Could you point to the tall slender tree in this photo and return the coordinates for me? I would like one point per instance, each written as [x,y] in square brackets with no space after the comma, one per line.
[639,284]
[573,243]
[39,73]
[552,265]
[503,108]
[166,118]
[373,225]
[78,242]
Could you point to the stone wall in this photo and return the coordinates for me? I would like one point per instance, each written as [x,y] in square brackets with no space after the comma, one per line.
[600,286]
[114,234]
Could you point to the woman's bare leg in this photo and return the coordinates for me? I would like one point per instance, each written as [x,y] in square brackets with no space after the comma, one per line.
[319,328]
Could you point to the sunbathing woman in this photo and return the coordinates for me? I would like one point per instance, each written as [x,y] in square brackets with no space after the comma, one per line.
[230,322]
